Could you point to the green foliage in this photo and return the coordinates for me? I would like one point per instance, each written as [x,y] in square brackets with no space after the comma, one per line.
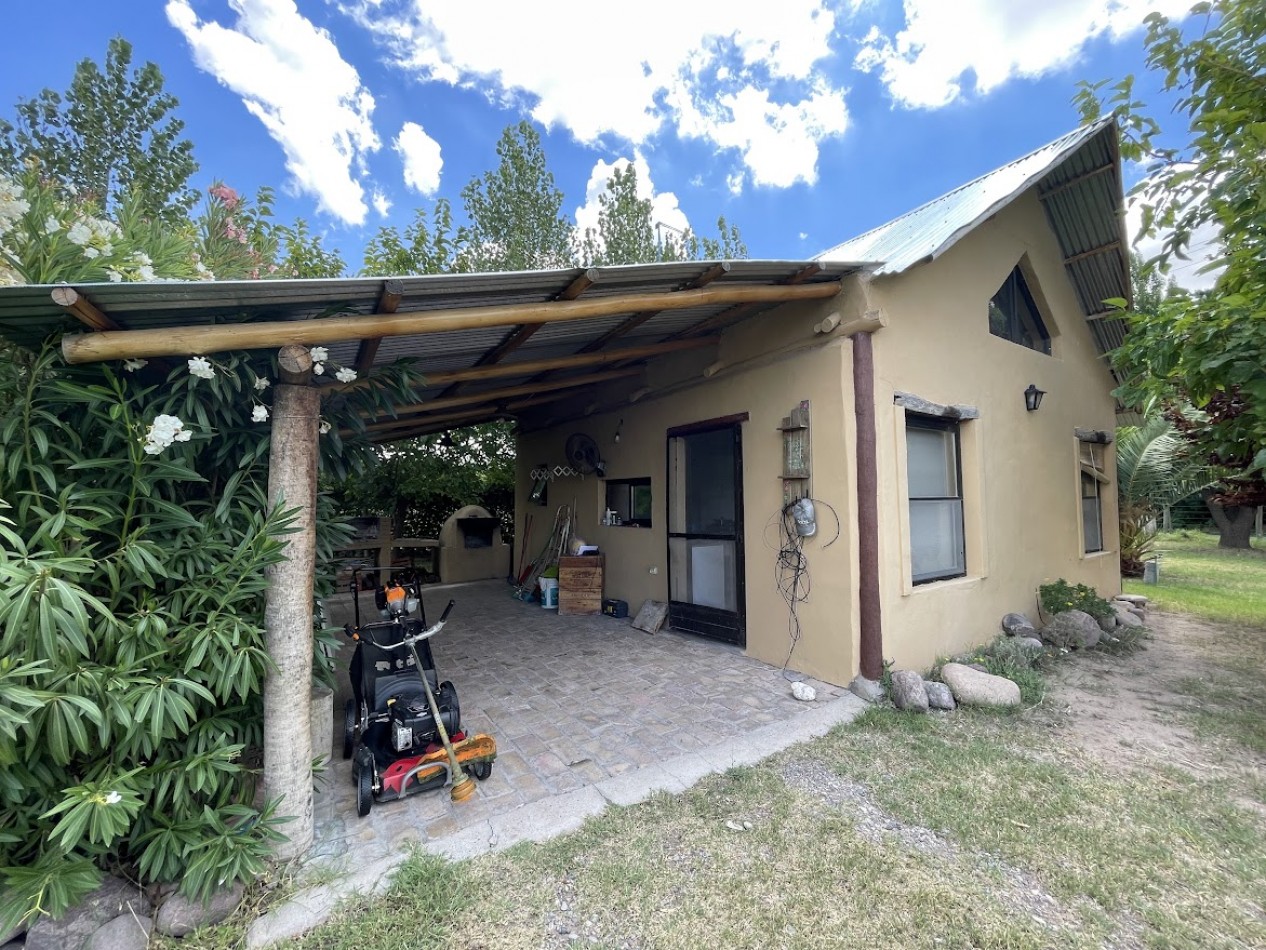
[421,250]
[515,212]
[1061,596]
[1155,468]
[133,553]
[422,481]
[113,136]
[1206,350]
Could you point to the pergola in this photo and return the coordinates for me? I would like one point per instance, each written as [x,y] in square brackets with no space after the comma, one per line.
[488,345]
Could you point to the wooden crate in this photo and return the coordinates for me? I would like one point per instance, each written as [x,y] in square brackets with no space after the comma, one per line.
[580,585]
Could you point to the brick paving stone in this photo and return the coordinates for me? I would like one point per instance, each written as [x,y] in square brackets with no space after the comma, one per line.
[552,691]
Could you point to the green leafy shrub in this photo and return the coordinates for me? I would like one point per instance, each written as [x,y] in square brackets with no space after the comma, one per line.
[1061,596]
[133,551]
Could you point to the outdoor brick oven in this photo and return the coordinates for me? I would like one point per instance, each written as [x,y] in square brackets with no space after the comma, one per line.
[471,548]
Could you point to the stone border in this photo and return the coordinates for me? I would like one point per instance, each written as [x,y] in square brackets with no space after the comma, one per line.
[557,815]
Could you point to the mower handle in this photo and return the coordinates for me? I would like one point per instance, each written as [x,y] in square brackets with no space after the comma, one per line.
[404,641]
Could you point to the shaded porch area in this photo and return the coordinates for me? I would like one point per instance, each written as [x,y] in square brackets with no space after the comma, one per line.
[573,701]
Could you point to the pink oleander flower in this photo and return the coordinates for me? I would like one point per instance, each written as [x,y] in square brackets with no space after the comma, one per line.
[226,196]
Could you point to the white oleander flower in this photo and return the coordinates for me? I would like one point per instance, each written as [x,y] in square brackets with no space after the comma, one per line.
[200,366]
[319,354]
[261,384]
[114,275]
[133,365]
[91,252]
[79,233]
[51,225]
[318,368]
[324,427]
[113,798]
[345,375]
[163,431]
[259,413]
[145,272]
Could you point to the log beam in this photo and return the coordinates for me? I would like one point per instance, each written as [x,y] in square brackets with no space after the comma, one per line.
[526,389]
[204,340]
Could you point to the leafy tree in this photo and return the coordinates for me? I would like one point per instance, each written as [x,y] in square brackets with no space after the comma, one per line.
[627,232]
[420,482]
[112,133]
[1206,350]
[421,250]
[515,212]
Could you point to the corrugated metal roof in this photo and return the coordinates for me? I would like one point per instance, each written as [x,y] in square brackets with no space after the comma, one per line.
[28,313]
[1078,178]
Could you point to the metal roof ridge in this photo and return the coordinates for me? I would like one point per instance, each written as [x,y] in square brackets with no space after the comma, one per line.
[1066,144]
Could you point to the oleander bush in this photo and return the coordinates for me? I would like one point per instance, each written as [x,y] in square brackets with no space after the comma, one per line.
[135,531]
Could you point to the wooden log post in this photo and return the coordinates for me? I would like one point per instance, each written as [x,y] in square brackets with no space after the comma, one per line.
[871,641]
[292,479]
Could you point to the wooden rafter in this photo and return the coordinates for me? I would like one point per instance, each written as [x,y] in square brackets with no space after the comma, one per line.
[82,309]
[706,277]
[388,302]
[1077,180]
[524,389]
[524,333]
[734,313]
[1094,252]
[219,338]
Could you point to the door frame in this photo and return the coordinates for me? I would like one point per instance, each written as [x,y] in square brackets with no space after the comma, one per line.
[710,617]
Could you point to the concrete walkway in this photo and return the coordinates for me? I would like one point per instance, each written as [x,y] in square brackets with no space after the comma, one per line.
[586,711]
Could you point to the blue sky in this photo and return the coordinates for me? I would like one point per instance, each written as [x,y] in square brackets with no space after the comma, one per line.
[804,122]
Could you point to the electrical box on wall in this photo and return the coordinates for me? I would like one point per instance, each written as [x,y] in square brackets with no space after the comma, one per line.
[795,454]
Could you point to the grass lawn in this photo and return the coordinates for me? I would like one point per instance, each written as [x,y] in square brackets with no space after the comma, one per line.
[1199,578]
[983,830]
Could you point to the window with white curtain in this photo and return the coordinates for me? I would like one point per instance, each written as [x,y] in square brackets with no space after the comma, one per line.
[937,549]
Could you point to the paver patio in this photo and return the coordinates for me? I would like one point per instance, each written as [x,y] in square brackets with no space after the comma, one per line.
[571,701]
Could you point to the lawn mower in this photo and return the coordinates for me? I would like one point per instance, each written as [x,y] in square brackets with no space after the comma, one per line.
[402,727]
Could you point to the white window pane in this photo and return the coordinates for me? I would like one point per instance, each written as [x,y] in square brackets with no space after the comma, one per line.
[936,539]
[930,463]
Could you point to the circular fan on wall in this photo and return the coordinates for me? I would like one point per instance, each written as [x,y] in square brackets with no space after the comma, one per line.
[583,456]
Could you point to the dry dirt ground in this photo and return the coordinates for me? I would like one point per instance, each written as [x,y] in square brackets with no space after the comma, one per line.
[1139,710]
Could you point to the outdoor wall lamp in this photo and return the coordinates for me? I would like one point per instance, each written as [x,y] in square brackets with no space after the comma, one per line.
[1033,398]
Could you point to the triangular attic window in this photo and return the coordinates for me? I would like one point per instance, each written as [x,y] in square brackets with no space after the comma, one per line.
[1013,315]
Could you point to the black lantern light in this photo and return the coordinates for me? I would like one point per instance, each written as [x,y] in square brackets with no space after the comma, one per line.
[1033,397]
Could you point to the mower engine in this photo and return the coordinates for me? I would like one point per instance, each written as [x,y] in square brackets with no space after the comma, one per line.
[411,723]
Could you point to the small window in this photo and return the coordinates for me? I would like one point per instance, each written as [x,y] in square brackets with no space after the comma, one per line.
[1013,315]
[629,502]
[937,549]
[1092,480]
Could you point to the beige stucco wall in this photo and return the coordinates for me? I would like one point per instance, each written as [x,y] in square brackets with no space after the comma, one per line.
[749,375]
[1020,472]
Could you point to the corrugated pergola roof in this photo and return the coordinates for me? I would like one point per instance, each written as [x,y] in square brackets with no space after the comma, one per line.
[1077,177]
[474,372]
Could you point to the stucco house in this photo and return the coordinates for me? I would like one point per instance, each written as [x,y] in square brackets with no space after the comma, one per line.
[904,406]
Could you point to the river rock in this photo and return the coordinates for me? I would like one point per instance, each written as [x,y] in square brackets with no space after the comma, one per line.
[1018,625]
[973,688]
[1127,617]
[1032,645]
[1072,630]
[908,692]
[122,933]
[1137,599]
[939,695]
[180,915]
[115,897]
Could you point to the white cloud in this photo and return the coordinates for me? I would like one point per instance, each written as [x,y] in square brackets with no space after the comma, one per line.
[664,207]
[420,155]
[381,203]
[704,68]
[948,49]
[292,77]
